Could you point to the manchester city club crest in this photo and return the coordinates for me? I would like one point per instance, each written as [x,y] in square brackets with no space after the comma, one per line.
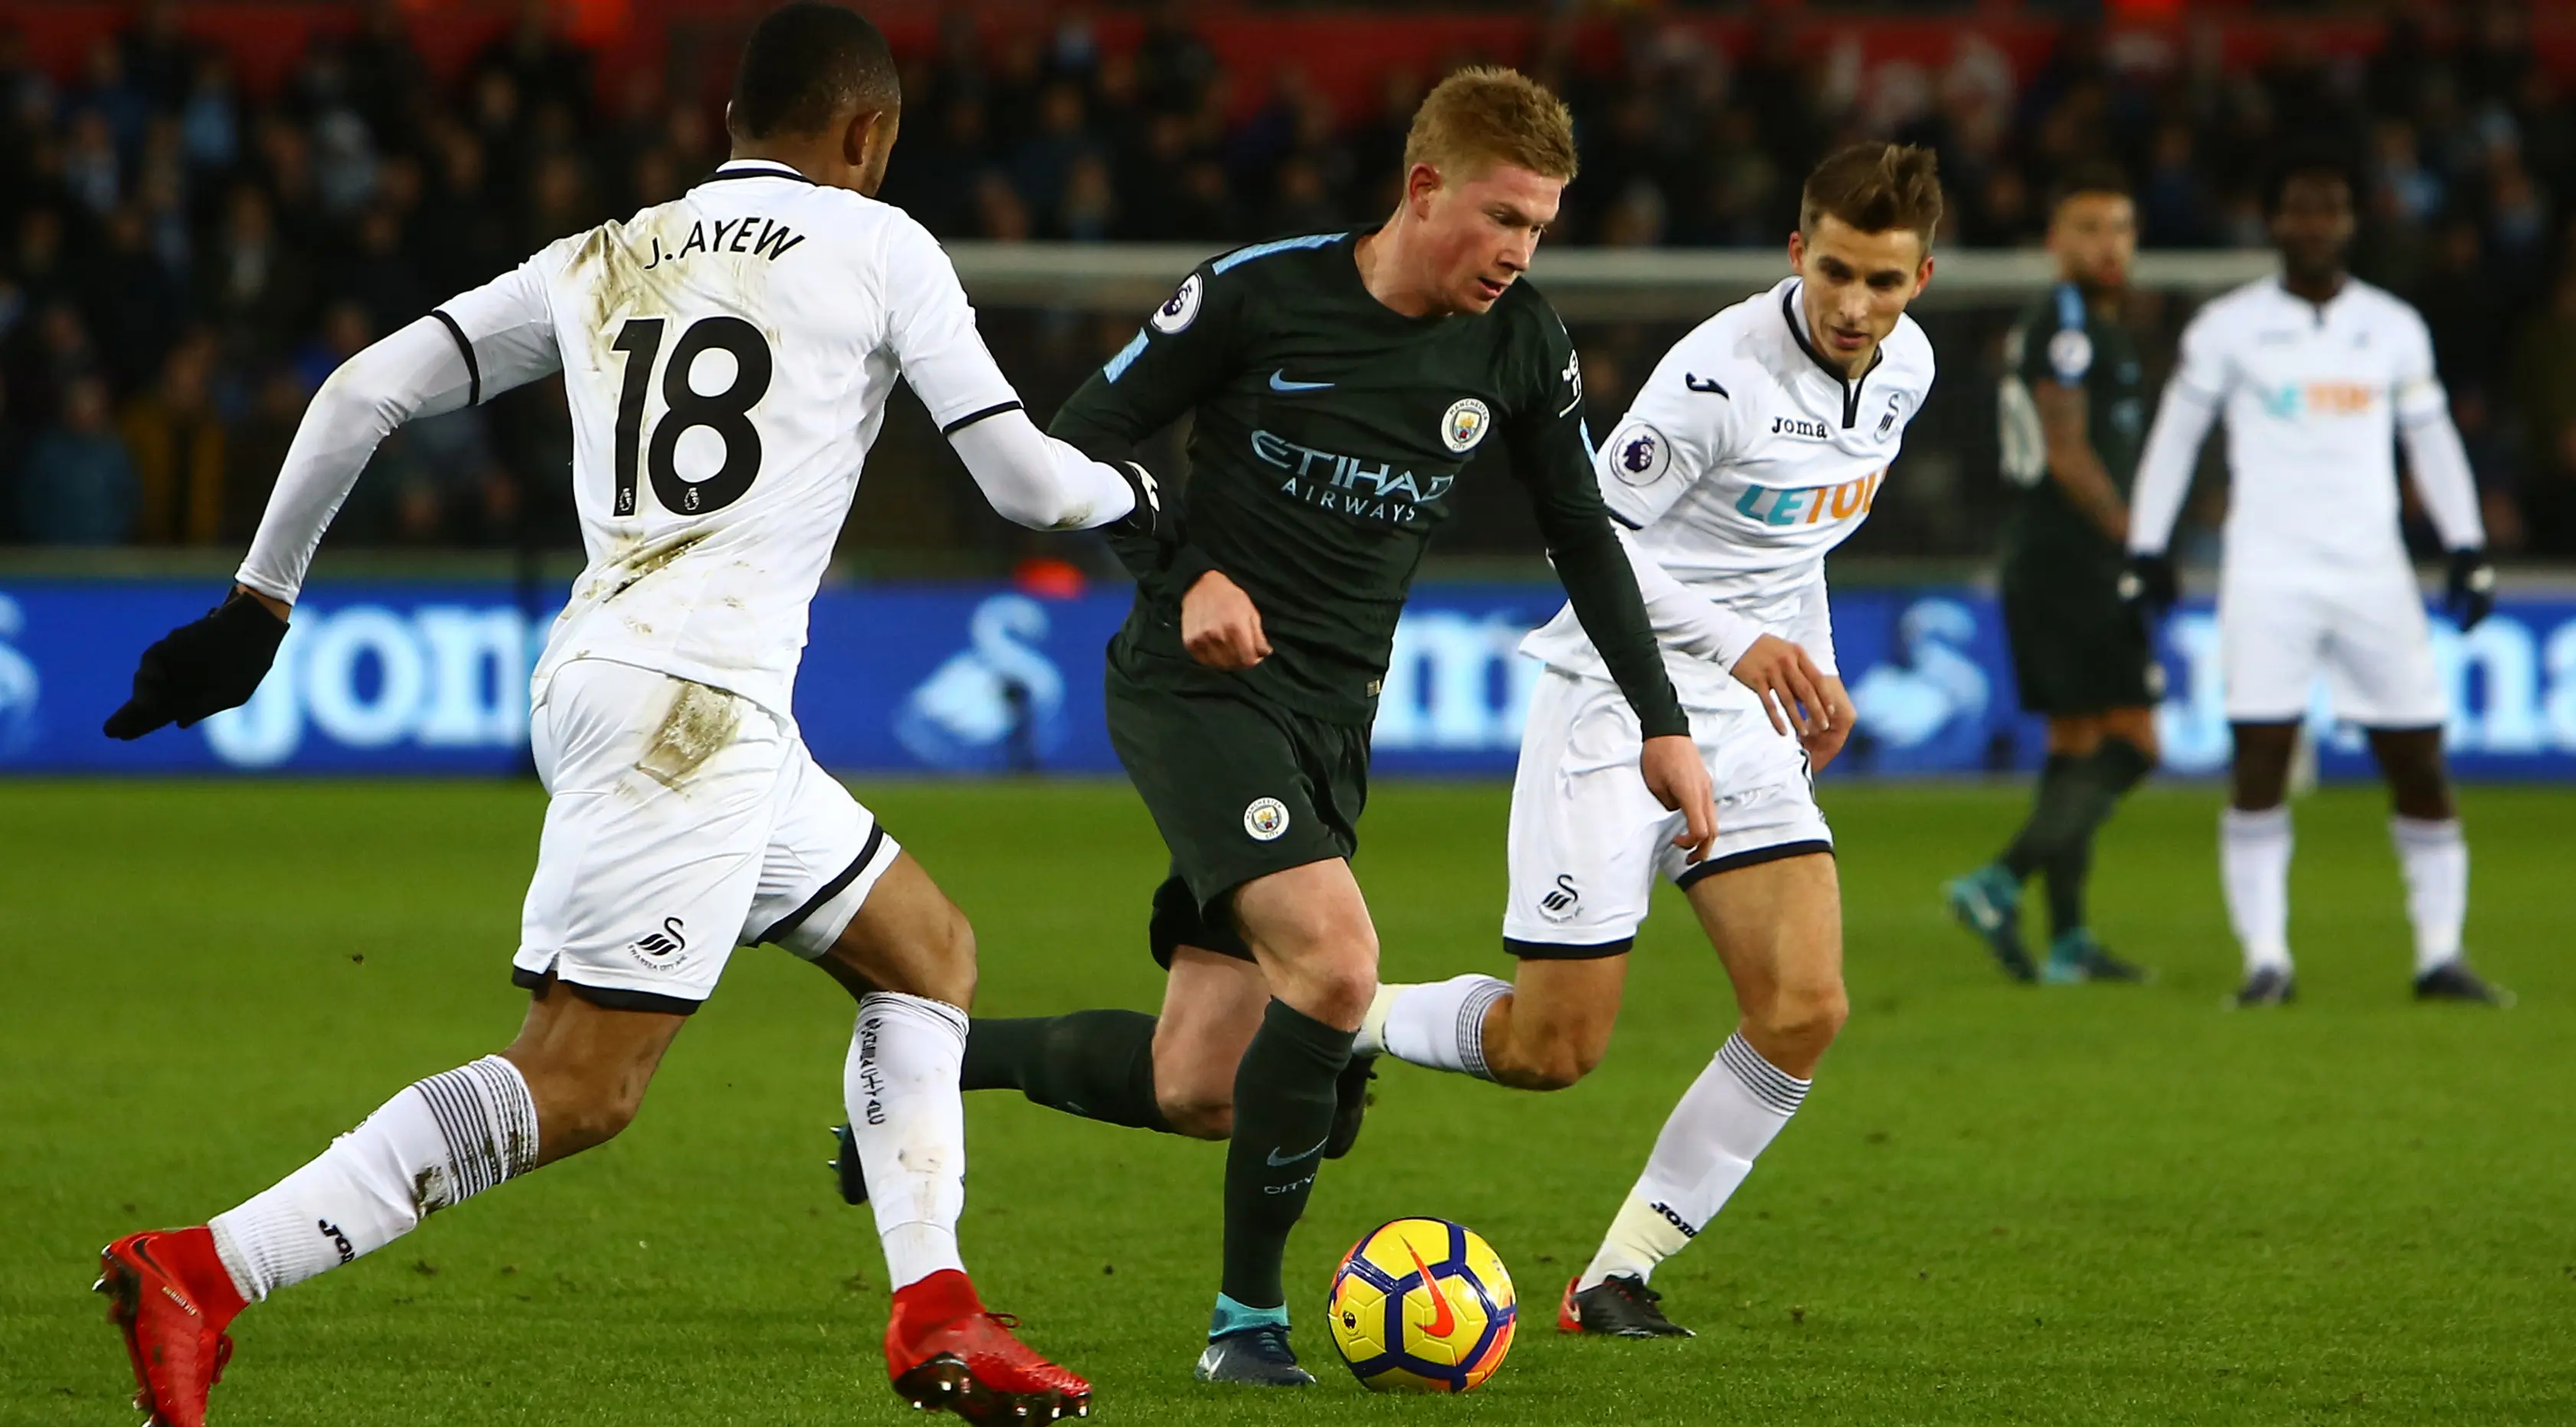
[1265,819]
[1465,424]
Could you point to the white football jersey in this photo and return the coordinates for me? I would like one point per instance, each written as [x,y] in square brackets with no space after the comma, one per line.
[726,358]
[1744,458]
[2312,396]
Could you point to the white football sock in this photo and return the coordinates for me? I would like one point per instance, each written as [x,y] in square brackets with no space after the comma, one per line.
[2254,869]
[1724,1121]
[1371,1039]
[1440,1024]
[2436,862]
[437,1143]
[909,1122]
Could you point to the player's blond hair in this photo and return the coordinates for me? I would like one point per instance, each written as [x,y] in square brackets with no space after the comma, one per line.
[1875,186]
[1486,115]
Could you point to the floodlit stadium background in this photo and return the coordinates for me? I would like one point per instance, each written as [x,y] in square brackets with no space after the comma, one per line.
[204,207]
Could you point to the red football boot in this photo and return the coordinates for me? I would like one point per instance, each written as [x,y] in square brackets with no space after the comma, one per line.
[172,1299]
[945,1353]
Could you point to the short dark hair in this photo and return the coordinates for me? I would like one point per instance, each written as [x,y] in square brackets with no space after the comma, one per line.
[806,63]
[2089,176]
[2313,158]
[1875,186]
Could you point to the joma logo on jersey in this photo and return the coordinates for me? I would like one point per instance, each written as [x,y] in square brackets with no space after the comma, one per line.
[1350,484]
[2318,399]
[1806,505]
[1800,426]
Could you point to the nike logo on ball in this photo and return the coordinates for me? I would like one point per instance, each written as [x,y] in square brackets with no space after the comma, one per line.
[1444,1319]
[1279,382]
[1277,1159]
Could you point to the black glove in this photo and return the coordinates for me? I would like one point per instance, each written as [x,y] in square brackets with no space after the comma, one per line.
[2469,594]
[202,668]
[1150,517]
[2148,584]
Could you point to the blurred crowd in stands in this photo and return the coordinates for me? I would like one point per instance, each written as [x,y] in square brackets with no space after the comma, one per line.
[182,263]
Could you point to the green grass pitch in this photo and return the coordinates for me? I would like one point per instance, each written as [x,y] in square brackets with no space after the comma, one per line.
[2003,1204]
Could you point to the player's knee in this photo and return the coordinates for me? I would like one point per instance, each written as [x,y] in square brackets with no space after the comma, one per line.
[1341,995]
[1332,973]
[1553,1065]
[577,1115]
[1805,1016]
[1200,1114]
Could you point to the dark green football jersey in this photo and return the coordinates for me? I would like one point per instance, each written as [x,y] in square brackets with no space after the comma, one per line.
[2059,340]
[1329,437]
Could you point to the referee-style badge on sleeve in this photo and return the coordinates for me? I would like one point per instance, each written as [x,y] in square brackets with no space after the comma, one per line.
[1181,308]
[1465,424]
[1640,454]
[2070,354]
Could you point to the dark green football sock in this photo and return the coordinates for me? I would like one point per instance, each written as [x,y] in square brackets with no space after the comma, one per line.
[2044,831]
[2068,873]
[1096,1064]
[2098,782]
[1283,1114]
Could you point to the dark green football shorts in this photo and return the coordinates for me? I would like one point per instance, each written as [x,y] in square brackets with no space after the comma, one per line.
[1239,786]
[2076,648]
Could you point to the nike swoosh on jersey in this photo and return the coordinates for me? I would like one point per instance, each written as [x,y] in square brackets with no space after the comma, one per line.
[1277,1161]
[1279,382]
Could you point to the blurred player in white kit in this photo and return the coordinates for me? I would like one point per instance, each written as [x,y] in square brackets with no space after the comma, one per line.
[2318,375]
[727,358]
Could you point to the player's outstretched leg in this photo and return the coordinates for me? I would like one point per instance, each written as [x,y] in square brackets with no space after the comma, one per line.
[909,956]
[1778,928]
[2425,828]
[1310,932]
[1173,1073]
[571,1080]
[1096,1064]
[1544,1031]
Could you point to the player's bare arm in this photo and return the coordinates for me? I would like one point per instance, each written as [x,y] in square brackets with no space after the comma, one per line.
[2072,461]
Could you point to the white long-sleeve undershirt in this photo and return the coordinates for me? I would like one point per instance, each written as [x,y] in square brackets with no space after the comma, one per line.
[2439,465]
[2183,419]
[416,372]
[1030,478]
[1685,620]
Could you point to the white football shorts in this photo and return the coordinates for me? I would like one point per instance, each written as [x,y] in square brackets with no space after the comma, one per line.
[2363,628]
[682,821]
[1588,841]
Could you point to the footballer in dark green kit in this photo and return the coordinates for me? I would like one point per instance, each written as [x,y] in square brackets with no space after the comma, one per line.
[2072,408]
[1339,385]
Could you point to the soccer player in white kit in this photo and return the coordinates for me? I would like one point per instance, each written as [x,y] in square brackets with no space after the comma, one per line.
[1758,444]
[727,358]
[2317,375]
